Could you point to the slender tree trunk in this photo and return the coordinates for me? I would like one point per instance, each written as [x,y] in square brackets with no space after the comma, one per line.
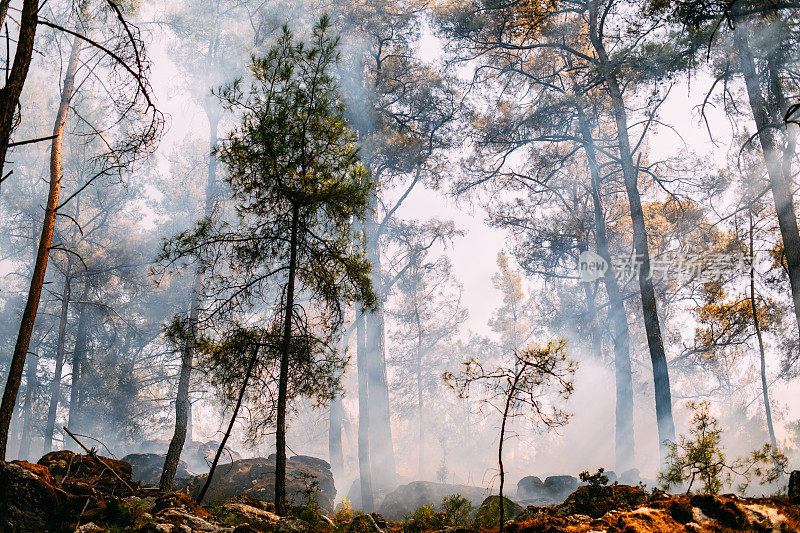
[221,447]
[364,466]
[420,411]
[78,358]
[10,93]
[618,317]
[658,358]
[27,410]
[55,387]
[182,401]
[283,381]
[511,393]
[780,181]
[757,326]
[40,267]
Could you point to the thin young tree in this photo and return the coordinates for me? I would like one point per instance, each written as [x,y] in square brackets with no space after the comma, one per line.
[521,390]
[299,192]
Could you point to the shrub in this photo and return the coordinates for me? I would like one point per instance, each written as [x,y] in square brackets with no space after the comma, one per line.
[457,510]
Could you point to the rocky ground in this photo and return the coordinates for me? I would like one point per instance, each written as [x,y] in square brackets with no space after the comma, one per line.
[65,492]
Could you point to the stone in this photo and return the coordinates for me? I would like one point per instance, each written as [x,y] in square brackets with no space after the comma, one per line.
[147,468]
[256,478]
[405,499]
[559,487]
[529,488]
[28,503]
[488,514]
[794,486]
[363,524]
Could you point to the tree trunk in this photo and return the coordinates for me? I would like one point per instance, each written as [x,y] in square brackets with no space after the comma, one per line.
[27,411]
[335,453]
[283,380]
[78,358]
[364,470]
[618,317]
[227,435]
[40,267]
[779,180]
[55,387]
[658,358]
[182,401]
[420,411]
[757,326]
[9,99]
[381,443]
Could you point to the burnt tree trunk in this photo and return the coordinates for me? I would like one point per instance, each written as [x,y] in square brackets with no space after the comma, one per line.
[283,380]
[48,225]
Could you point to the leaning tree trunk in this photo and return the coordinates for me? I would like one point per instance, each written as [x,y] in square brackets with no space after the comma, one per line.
[779,180]
[364,458]
[283,379]
[40,267]
[420,410]
[623,434]
[655,342]
[55,386]
[183,411]
[10,93]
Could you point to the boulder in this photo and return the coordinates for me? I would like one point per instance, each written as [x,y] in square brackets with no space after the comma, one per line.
[406,498]
[488,514]
[147,468]
[559,487]
[530,488]
[256,478]
[794,486]
[596,500]
[28,502]
[630,477]
[206,452]
[85,474]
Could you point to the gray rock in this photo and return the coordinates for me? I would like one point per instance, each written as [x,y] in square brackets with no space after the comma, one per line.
[406,498]
[529,488]
[147,468]
[559,487]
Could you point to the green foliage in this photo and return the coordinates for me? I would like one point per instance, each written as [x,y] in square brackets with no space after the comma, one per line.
[422,519]
[700,458]
[597,479]
[457,510]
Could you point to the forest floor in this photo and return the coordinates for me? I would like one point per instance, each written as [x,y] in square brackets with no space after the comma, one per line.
[65,492]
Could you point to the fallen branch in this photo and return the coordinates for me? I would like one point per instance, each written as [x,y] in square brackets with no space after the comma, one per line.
[97,458]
